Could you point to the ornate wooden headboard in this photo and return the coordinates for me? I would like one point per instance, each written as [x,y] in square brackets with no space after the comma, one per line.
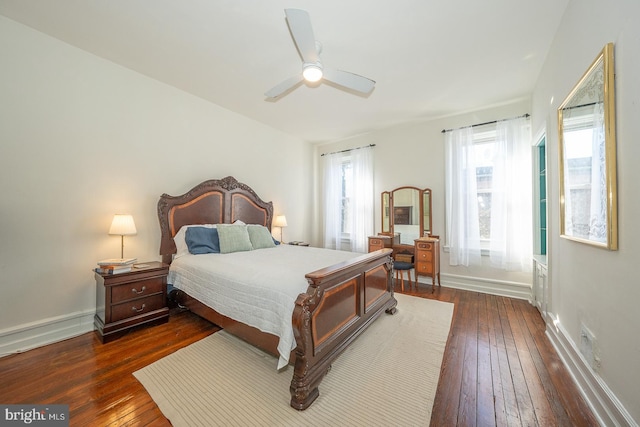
[216,201]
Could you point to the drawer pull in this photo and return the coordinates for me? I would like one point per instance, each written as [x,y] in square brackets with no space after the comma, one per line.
[138,310]
[144,288]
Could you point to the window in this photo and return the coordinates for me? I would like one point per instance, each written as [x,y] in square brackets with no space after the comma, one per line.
[347,196]
[484,147]
[488,195]
[348,199]
[483,176]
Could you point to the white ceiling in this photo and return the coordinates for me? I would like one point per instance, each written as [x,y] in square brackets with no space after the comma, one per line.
[429,58]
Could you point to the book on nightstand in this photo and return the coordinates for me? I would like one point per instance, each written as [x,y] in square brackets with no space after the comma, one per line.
[115,265]
[117,261]
[114,270]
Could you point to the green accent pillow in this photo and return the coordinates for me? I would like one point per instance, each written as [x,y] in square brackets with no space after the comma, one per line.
[233,238]
[260,236]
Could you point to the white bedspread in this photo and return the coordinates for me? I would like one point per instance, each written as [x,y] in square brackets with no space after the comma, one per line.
[258,288]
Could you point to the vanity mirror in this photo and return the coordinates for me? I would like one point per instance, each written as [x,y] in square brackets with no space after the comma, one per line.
[406,211]
[587,145]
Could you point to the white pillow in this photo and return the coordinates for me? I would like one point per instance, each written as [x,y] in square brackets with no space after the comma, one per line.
[180,240]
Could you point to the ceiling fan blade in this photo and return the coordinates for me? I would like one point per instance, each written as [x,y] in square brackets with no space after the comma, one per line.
[349,80]
[302,33]
[283,87]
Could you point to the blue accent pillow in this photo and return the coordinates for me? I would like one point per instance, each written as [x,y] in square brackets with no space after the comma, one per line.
[202,240]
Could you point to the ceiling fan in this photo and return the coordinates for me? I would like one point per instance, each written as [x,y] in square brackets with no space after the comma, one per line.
[312,69]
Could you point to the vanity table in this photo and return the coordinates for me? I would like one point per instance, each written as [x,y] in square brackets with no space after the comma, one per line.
[406,228]
[425,250]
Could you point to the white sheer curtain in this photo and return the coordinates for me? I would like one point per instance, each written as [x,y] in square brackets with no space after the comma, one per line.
[362,212]
[348,200]
[511,240]
[511,206]
[332,200]
[461,198]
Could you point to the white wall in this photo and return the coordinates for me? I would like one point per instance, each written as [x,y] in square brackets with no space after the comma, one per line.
[81,139]
[590,286]
[413,154]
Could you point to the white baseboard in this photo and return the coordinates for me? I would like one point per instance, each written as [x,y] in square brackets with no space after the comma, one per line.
[602,401]
[486,286]
[31,335]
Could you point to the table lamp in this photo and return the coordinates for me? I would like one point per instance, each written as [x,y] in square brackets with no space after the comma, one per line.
[122,225]
[280,221]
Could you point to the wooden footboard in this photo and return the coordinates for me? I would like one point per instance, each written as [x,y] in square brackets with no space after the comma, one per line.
[341,301]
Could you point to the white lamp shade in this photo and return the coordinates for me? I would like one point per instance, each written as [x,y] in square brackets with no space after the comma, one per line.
[280,221]
[123,225]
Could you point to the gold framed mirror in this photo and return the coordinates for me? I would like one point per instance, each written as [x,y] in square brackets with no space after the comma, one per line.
[587,148]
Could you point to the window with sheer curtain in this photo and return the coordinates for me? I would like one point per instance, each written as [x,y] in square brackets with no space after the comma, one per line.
[488,194]
[348,199]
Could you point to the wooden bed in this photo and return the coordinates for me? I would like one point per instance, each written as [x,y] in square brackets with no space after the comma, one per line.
[340,302]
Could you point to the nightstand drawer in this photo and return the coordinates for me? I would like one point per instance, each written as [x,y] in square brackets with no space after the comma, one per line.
[137,307]
[141,288]
[424,256]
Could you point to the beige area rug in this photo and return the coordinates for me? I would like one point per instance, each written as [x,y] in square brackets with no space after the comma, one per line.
[387,377]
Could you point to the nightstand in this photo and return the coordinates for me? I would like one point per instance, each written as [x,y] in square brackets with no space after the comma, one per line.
[130,299]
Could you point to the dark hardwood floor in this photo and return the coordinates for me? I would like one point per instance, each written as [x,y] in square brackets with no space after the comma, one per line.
[499,368]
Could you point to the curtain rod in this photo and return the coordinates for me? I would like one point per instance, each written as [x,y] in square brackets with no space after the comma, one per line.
[486,123]
[349,149]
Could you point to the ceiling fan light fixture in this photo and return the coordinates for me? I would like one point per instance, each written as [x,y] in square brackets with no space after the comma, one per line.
[312,72]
